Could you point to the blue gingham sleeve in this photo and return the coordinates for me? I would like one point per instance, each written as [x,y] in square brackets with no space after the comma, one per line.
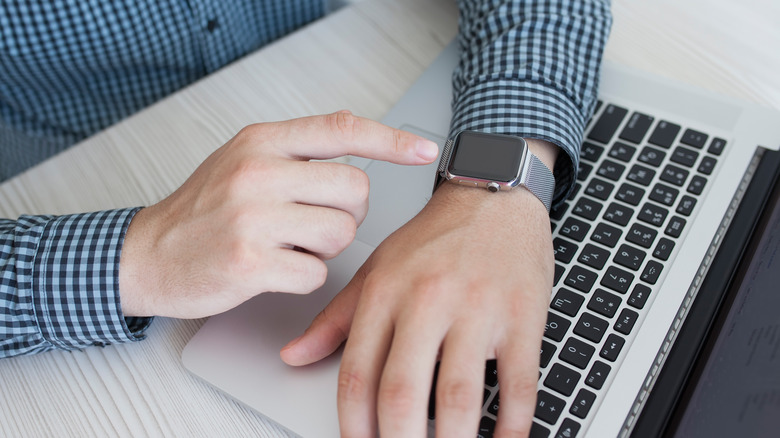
[530,68]
[59,283]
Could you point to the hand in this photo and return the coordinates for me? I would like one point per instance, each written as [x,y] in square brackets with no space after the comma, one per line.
[257,216]
[468,279]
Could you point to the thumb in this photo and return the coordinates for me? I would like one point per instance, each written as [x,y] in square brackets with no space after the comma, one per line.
[329,329]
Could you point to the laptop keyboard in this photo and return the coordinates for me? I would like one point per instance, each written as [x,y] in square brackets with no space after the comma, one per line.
[639,181]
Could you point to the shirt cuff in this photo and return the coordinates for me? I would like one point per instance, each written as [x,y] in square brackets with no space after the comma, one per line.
[526,109]
[76,281]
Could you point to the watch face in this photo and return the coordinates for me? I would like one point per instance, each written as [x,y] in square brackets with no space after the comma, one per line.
[487,156]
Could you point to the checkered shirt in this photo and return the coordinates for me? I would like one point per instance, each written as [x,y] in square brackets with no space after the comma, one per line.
[69,68]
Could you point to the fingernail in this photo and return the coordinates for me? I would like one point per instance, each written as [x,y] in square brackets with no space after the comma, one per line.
[426,149]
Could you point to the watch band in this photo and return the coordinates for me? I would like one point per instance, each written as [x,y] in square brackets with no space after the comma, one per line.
[535,175]
[539,180]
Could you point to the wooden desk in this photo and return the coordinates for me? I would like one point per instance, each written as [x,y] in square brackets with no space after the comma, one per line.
[362,58]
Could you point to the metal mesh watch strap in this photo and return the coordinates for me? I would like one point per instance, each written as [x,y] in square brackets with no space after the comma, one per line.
[538,179]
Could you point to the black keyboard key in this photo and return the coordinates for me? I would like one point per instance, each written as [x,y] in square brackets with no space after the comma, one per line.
[651,272]
[493,405]
[593,256]
[577,353]
[626,321]
[605,303]
[664,194]
[611,170]
[567,302]
[569,429]
[591,327]
[686,205]
[697,185]
[717,146]
[487,426]
[664,134]
[581,279]
[548,407]
[630,194]
[607,124]
[587,208]
[491,373]
[674,175]
[582,403]
[591,152]
[639,296]
[556,326]
[686,157]
[618,214]
[652,156]
[598,374]
[617,280]
[575,229]
[583,171]
[621,151]
[707,165]
[629,257]
[564,250]
[675,226]
[664,249]
[652,214]
[636,128]
[557,212]
[600,189]
[559,270]
[641,175]
[641,235]
[611,348]
[538,431]
[694,138]
[546,354]
[606,235]
[562,379]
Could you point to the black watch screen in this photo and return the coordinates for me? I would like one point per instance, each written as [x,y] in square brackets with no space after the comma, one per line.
[487,156]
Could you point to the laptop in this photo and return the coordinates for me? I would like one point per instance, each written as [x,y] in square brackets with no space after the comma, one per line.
[665,250]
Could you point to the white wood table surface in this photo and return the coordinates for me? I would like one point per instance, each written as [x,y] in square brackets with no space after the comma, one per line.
[361,58]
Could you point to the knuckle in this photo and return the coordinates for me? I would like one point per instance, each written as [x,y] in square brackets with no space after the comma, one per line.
[339,233]
[241,260]
[343,124]
[250,172]
[359,182]
[352,386]
[456,395]
[399,145]
[251,133]
[521,389]
[314,274]
[396,398]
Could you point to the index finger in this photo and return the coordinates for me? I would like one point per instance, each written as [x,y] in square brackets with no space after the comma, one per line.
[342,133]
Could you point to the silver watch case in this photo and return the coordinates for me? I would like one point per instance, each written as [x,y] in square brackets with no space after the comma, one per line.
[532,174]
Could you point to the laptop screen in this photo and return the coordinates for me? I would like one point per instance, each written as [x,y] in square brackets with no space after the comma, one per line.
[733,388]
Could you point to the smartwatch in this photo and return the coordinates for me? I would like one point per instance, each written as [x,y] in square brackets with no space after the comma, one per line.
[496,162]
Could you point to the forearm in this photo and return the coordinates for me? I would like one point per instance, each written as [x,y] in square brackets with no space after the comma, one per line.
[59,283]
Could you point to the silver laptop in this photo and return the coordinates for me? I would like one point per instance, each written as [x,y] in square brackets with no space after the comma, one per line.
[663,170]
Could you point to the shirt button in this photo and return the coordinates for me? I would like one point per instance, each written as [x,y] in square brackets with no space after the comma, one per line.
[212,24]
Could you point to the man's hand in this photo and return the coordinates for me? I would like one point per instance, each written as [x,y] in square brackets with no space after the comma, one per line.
[257,216]
[468,279]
